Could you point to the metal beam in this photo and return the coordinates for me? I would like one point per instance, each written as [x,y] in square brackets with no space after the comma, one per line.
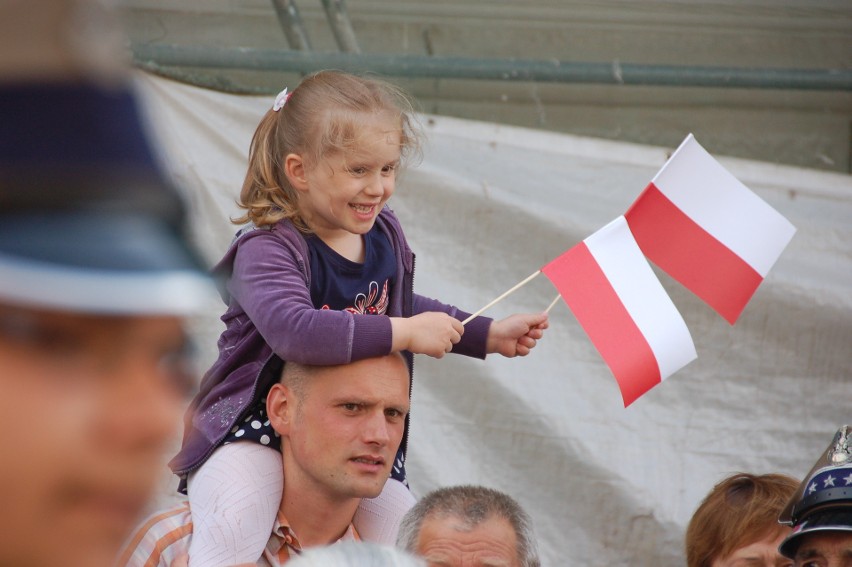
[153,56]
[292,25]
[341,25]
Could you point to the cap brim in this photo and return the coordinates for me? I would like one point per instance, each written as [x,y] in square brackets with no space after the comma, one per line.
[828,521]
[99,263]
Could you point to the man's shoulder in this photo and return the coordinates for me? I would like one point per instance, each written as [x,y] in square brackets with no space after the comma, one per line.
[159,539]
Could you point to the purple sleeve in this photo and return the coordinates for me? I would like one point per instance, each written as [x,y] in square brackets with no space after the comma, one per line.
[270,287]
[474,339]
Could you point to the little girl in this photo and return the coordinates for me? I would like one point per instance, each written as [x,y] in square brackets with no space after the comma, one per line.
[322,275]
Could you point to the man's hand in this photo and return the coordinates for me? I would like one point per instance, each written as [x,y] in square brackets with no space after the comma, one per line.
[517,334]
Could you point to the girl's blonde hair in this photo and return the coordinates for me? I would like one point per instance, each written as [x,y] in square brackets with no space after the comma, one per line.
[322,116]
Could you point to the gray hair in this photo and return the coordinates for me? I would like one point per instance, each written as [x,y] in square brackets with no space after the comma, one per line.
[355,554]
[472,505]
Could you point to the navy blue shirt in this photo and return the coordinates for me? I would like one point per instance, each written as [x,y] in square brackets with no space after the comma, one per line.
[343,285]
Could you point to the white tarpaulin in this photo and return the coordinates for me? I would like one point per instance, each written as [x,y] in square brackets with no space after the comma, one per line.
[490,204]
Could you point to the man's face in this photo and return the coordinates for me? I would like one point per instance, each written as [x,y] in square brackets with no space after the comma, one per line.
[445,542]
[761,553]
[345,429]
[825,549]
[88,405]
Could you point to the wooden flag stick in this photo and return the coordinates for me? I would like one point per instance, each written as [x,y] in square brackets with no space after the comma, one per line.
[552,303]
[503,296]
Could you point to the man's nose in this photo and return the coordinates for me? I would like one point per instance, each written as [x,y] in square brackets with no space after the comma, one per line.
[376,428]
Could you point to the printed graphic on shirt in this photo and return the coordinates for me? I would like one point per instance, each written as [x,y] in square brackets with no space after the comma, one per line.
[371,303]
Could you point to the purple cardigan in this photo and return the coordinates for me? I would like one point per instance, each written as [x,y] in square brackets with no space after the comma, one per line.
[270,318]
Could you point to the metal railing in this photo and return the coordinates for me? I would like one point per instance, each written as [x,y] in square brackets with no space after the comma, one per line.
[159,58]
[169,59]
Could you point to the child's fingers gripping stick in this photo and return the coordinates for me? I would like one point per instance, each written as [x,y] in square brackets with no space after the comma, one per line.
[517,334]
[432,333]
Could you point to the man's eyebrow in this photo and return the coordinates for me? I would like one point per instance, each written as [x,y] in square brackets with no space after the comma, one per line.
[437,560]
[807,554]
[350,399]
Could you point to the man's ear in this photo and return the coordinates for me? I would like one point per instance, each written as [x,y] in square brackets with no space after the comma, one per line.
[294,169]
[279,408]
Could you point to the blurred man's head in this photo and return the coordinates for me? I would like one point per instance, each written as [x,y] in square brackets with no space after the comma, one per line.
[95,283]
[88,404]
[474,526]
[820,511]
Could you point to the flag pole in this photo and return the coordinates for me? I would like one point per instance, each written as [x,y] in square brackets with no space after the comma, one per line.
[501,297]
[552,303]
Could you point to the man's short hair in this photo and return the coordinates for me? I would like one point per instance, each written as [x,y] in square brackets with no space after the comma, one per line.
[472,505]
[741,509]
[295,376]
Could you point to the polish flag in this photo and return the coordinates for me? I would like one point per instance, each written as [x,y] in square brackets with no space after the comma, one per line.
[622,306]
[697,222]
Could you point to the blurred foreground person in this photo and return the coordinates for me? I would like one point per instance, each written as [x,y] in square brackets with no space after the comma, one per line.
[820,512]
[94,283]
[736,524]
[462,526]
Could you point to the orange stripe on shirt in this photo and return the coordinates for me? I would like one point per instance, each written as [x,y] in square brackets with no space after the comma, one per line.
[140,533]
[165,541]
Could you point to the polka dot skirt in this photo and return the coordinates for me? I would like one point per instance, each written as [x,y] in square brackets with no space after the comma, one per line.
[255,427]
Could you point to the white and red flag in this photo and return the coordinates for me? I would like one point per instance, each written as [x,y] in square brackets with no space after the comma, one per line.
[699,223]
[622,306]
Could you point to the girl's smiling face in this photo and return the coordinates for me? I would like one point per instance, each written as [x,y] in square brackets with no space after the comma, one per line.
[344,192]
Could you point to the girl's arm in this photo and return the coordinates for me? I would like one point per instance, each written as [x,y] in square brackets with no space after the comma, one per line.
[433,333]
[270,286]
[513,336]
[475,334]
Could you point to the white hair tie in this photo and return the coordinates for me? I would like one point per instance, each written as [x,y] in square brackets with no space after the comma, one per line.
[281,100]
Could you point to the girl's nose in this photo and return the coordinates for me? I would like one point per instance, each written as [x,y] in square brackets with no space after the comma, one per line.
[376,186]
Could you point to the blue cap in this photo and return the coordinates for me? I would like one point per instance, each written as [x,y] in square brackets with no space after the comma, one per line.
[823,502]
[88,222]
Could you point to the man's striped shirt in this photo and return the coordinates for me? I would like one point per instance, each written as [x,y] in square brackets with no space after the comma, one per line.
[166,535]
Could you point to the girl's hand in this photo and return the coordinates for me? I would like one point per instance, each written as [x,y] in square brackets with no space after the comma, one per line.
[432,333]
[517,334]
